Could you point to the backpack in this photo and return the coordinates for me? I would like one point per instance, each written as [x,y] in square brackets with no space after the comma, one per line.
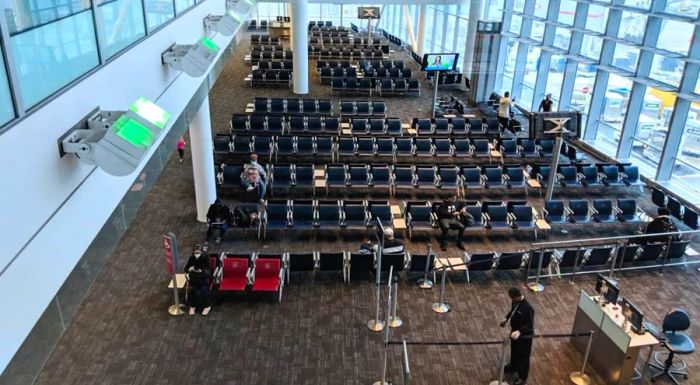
[245,217]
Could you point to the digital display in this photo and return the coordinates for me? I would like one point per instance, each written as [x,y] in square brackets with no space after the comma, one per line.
[209,44]
[440,61]
[151,112]
[368,12]
[133,132]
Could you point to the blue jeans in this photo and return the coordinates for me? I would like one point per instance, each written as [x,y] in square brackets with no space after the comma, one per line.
[261,188]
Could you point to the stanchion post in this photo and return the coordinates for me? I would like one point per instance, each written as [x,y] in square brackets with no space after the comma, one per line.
[394,320]
[581,378]
[537,286]
[502,367]
[426,283]
[441,306]
[376,324]
[171,252]
[614,261]
[387,333]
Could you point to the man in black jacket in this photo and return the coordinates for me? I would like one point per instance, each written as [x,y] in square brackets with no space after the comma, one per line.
[449,218]
[522,325]
[218,218]
[661,224]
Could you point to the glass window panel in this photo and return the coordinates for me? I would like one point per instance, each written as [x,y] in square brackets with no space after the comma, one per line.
[182,5]
[121,24]
[518,5]
[555,77]
[675,36]
[591,46]
[641,4]
[450,35]
[541,8]
[7,111]
[158,12]
[439,29]
[583,87]
[509,67]
[562,37]
[667,70]
[650,133]
[530,76]
[51,56]
[632,26]
[688,8]
[685,177]
[614,109]
[567,11]
[515,23]
[22,15]
[597,18]
[625,57]
[537,30]
[697,86]
[493,10]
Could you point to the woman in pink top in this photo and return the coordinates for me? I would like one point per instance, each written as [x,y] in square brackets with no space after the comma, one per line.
[181,148]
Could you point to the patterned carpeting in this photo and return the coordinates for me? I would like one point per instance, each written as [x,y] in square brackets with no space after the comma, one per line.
[122,333]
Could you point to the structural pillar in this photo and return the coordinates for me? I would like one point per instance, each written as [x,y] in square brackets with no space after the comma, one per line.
[421,29]
[300,38]
[476,11]
[409,24]
[291,32]
[201,145]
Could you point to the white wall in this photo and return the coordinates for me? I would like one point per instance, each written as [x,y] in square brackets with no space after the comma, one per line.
[42,227]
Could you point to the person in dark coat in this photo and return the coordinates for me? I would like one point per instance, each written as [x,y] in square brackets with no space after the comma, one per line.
[449,218]
[521,318]
[218,218]
[661,224]
[199,276]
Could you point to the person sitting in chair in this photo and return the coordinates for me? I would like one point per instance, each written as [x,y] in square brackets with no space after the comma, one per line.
[218,218]
[199,276]
[449,218]
[254,176]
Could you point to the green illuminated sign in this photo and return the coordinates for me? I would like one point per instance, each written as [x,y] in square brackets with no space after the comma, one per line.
[209,44]
[133,132]
[234,15]
[151,112]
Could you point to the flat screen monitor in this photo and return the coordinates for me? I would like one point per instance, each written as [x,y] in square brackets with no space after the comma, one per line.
[440,61]
[368,12]
[632,314]
[608,290]
[548,125]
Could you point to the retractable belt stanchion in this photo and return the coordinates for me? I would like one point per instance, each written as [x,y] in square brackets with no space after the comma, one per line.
[426,283]
[502,367]
[386,333]
[581,378]
[441,307]
[537,286]
[377,324]
[616,249]
[395,321]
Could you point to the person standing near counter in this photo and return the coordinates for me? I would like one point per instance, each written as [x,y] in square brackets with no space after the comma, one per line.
[521,318]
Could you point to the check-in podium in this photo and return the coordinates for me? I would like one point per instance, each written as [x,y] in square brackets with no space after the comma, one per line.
[615,349]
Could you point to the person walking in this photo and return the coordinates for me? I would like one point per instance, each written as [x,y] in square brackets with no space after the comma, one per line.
[521,318]
[546,104]
[181,144]
[504,108]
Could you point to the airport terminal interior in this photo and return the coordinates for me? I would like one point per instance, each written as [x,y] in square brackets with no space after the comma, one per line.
[331,192]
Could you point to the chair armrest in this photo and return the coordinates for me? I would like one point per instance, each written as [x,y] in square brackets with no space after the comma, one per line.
[623,176]
[539,177]
[602,176]
[545,213]
[592,211]
[520,148]
[505,177]
[483,177]
[485,217]
[438,180]
[616,210]
[511,217]
[568,211]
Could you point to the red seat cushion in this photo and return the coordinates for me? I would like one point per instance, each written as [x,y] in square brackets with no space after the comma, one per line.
[233,284]
[267,271]
[234,274]
[266,284]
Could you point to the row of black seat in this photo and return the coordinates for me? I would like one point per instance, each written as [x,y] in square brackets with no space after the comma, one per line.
[319,24]
[384,87]
[327,73]
[343,40]
[276,65]
[281,77]
[368,65]
[256,56]
[264,39]
[678,210]
[266,47]
[279,124]
[355,54]
[383,72]
[399,86]
[332,64]
[448,78]
[601,211]
[253,25]
[346,50]
[392,38]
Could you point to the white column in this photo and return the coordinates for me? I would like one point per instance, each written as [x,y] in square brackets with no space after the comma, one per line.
[300,42]
[409,24]
[291,32]
[476,11]
[421,29]
[202,148]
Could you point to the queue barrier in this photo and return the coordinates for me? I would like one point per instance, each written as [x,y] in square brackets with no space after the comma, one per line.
[618,243]
[577,377]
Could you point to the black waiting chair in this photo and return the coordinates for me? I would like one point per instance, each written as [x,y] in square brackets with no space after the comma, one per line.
[332,262]
[510,261]
[479,262]
[677,343]
[598,256]
[295,262]
[360,263]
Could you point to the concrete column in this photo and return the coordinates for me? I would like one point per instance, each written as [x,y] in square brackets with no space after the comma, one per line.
[421,29]
[202,147]
[409,24]
[300,38]
[476,12]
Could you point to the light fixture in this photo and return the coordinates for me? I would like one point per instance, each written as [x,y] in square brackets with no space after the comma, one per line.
[116,141]
[224,24]
[194,59]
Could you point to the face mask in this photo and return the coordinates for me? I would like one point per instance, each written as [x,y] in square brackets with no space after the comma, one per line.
[253,162]
[197,255]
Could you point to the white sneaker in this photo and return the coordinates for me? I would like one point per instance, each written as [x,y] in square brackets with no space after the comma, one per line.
[192,311]
[206,310]
[250,188]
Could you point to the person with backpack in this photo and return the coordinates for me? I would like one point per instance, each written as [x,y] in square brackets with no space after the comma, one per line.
[661,224]
[254,176]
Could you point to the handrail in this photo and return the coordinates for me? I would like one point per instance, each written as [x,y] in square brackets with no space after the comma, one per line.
[544,245]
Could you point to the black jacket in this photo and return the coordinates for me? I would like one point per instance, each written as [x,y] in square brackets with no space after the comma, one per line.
[201,275]
[220,211]
[393,246]
[523,319]
[446,211]
[661,224]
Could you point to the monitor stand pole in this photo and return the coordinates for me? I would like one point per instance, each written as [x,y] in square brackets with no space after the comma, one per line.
[436,81]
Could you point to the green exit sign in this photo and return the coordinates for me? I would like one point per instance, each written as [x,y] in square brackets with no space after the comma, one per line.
[209,44]
[133,132]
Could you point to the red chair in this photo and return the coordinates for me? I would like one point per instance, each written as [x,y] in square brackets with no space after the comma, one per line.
[268,275]
[234,274]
